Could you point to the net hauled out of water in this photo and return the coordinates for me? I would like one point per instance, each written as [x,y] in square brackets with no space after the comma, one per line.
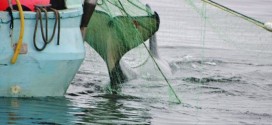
[118,26]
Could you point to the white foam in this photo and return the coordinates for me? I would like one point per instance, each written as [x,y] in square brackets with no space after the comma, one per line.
[148,70]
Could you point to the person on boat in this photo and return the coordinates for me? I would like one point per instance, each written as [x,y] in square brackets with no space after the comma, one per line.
[28,5]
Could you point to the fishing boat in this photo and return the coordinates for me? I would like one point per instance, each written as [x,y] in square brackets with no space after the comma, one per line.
[41,46]
[41,49]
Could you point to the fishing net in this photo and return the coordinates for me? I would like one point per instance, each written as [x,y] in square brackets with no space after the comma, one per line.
[225,36]
[116,27]
[220,45]
[215,45]
[231,30]
[120,27]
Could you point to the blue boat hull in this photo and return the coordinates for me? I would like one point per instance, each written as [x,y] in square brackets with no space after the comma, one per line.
[45,73]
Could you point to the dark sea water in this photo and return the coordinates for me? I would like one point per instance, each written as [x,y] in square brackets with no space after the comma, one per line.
[222,72]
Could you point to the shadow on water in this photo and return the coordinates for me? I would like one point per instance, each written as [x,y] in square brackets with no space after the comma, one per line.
[23,111]
[101,109]
[114,111]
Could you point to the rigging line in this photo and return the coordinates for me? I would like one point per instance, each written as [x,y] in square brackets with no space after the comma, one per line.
[245,17]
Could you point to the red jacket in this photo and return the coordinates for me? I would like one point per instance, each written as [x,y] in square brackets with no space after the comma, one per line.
[27,3]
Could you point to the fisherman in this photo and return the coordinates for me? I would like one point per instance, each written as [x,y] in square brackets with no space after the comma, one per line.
[88,9]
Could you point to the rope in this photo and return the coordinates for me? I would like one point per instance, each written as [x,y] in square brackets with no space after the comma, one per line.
[39,10]
[22,28]
[38,17]
[250,19]
[58,21]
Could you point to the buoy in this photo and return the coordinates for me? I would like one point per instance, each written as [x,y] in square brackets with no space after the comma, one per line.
[268,25]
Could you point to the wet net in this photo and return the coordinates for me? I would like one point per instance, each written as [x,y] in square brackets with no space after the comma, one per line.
[117,27]
[231,29]
[226,36]
[220,45]
[205,34]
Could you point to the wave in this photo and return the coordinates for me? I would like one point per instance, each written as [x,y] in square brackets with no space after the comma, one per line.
[217,79]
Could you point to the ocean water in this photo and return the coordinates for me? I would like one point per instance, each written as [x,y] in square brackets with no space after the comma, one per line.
[221,70]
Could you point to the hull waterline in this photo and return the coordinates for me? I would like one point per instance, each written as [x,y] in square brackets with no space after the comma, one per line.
[40,73]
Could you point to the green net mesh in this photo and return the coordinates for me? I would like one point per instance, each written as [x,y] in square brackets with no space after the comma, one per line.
[118,26]
[230,31]
[228,44]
